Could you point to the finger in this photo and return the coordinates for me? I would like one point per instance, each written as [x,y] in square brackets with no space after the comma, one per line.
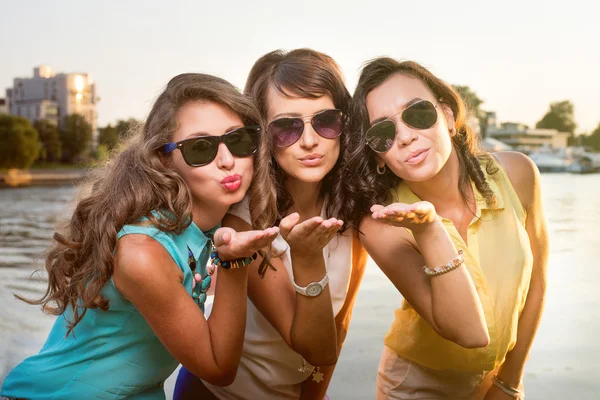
[306,228]
[376,207]
[331,226]
[266,239]
[223,236]
[288,223]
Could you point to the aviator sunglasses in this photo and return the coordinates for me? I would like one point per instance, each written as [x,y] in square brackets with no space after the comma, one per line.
[202,150]
[286,131]
[420,115]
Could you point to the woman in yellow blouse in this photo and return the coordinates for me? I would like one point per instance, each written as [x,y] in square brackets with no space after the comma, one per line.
[460,233]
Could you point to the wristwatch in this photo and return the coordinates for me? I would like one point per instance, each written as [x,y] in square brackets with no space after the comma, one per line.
[313,289]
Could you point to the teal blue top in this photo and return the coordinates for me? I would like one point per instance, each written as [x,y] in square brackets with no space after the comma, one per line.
[111,354]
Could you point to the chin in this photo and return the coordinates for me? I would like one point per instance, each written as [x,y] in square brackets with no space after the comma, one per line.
[421,174]
[315,176]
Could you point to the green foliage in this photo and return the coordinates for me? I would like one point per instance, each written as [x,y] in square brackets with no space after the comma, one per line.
[472,101]
[560,116]
[108,137]
[76,137]
[102,152]
[51,150]
[20,143]
[126,127]
[593,140]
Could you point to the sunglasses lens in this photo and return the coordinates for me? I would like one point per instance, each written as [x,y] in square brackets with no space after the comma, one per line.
[286,131]
[421,115]
[243,142]
[380,137]
[200,151]
[328,123]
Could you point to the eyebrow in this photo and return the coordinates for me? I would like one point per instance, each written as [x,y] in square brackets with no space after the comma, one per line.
[295,114]
[202,134]
[410,103]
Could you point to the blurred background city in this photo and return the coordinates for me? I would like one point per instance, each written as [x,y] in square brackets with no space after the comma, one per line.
[76,76]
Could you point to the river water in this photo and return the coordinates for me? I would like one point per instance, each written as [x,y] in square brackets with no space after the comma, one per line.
[564,361]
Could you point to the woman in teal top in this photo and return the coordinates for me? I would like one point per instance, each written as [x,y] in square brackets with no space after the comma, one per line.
[128,276]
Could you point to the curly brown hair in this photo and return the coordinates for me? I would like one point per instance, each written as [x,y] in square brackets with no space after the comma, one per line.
[134,182]
[303,73]
[364,185]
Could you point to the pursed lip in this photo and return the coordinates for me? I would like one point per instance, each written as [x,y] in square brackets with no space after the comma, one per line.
[231,178]
[414,154]
[314,156]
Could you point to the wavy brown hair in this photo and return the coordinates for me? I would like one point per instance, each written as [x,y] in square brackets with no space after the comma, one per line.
[364,185]
[134,182]
[300,73]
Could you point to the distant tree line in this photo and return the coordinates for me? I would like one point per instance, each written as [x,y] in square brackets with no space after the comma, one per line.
[560,116]
[24,145]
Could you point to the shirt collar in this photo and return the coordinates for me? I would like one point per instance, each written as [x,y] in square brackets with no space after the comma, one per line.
[197,240]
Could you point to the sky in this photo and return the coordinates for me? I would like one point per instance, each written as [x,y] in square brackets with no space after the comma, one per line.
[518,56]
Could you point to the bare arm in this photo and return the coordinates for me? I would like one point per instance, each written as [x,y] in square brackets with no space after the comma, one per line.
[524,177]
[312,389]
[147,276]
[448,302]
[305,323]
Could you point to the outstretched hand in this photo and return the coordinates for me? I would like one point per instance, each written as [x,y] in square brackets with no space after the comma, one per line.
[415,217]
[232,245]
[309,237]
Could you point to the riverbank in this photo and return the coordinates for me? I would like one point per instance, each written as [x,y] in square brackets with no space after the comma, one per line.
[43,176]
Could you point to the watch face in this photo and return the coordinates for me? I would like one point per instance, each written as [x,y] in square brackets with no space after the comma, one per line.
[313,289]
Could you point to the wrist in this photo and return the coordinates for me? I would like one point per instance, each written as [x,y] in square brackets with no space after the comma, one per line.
[512,380]
[428,230]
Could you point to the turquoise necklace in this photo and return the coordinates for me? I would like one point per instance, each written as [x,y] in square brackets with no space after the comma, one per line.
[201,281]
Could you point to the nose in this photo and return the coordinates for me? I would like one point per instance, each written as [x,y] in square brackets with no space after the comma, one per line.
[405,135]
[225,160]
[309,138]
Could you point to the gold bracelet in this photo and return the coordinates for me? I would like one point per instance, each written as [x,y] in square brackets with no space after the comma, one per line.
[453,264]
[506,388]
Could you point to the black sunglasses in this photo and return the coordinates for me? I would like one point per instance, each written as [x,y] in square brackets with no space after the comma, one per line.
[420,115]
[286,131]
[202,150]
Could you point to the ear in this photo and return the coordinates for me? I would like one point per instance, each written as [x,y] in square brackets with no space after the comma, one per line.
[379,160]
[449,115]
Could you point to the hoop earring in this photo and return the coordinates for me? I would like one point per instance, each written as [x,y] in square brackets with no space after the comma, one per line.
[381,170]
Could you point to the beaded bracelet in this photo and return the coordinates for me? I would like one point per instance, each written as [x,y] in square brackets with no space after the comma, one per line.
[453,264]
[506,389]
[233,264]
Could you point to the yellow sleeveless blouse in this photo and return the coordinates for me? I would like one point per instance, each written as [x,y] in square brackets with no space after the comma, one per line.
[499,260]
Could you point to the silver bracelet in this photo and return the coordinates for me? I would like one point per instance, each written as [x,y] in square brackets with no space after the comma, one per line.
[453,264]
[507,389]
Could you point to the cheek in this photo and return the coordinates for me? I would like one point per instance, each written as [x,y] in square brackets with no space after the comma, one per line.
[283,157]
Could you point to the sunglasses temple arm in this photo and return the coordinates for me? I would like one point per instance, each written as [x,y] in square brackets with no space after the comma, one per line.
[169,147]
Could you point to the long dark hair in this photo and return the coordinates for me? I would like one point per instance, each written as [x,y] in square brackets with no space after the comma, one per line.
[302,73]
[365,186]
[132,184]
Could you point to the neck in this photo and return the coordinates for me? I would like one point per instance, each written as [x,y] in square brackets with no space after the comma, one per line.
[307,198]
[207,216]
[443,189]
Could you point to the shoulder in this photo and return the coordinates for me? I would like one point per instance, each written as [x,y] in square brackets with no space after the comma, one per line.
[522,173]
[140,260]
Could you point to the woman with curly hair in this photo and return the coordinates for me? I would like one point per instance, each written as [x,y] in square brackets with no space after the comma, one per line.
[128,276]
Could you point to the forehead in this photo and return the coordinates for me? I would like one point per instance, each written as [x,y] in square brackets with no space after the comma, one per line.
[394,93]
[280,104]
[206,118]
